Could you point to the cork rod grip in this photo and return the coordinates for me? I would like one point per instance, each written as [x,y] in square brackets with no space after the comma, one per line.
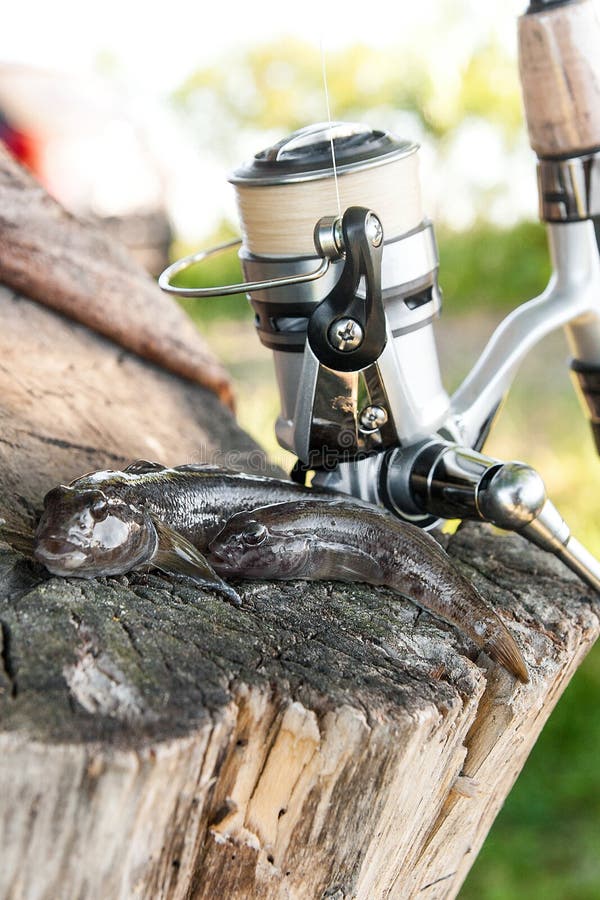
[559,64]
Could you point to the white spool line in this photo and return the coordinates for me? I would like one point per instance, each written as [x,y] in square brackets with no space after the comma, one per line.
[279,220]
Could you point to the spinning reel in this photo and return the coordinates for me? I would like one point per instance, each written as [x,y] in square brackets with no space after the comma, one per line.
[346,303]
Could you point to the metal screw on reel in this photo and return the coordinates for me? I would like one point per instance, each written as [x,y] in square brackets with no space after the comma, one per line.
[372,418]
[345,335]
[374,229]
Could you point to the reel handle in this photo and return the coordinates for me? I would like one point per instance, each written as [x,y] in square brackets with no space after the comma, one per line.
[456,482]
[559,65]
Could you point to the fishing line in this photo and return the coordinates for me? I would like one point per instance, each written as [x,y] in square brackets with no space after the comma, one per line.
[329,120]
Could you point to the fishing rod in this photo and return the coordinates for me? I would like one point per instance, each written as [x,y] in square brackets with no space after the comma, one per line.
[345,297]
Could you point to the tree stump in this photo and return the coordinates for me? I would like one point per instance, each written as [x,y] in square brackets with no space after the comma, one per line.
[325,740]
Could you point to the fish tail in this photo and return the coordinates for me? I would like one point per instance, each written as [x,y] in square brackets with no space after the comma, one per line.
[503,649]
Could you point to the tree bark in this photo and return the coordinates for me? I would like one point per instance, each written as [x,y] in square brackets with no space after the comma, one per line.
[72,401]
[75,267]
[324,740]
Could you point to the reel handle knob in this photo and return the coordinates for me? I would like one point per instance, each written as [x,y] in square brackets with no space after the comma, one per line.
[450,481]
[515,499]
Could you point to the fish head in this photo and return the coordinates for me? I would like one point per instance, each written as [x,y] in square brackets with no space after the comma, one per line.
[84,532]
[255,545]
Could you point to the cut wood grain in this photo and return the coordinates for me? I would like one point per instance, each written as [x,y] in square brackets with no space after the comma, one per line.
[158,743]
[77,268]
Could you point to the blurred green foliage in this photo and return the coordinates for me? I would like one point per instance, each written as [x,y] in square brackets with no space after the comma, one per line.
[279,86]
[222,268]
[488,268]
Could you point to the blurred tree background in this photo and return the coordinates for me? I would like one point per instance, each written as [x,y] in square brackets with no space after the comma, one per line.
[458,96]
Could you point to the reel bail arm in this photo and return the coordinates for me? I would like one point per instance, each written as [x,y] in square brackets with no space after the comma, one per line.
[227,290]
[347,332]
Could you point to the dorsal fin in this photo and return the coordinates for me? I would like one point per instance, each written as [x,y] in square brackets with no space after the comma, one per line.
[139,466]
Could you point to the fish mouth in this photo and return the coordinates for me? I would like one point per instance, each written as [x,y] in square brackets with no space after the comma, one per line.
[59,555]
[220,561]
[214,554]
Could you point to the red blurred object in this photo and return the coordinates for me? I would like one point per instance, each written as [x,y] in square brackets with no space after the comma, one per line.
[92,151]
[23,147]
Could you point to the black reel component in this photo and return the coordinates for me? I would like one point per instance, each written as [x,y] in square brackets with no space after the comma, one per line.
[346,331]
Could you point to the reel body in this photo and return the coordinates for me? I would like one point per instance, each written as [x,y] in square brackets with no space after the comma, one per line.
[344,397]
[346,303]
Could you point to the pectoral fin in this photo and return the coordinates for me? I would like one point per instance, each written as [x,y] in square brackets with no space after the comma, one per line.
[341,562]
[177,556]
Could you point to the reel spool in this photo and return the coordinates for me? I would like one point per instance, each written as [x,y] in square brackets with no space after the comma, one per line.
[286,189]
[293,257]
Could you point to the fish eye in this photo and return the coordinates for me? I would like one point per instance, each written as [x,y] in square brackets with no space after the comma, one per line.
[99,509]
[255,533]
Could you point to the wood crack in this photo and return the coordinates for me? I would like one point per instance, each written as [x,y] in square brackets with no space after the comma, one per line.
[71,445]
[8,664]
[437,881]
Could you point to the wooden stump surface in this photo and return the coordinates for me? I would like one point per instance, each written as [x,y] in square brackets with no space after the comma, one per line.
[325,740]
[72,401]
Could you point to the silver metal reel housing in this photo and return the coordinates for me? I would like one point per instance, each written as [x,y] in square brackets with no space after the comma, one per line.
[408,278]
